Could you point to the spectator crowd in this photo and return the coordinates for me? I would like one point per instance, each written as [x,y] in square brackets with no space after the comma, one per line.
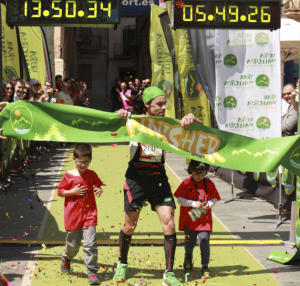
[68,91]
[129,96]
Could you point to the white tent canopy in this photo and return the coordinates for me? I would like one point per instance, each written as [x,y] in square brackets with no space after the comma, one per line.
[290,38]
[289,42]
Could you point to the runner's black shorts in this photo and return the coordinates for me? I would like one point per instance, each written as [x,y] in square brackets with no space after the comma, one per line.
[155,190]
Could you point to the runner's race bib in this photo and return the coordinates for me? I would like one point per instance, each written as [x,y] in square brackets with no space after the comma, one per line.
[150,153]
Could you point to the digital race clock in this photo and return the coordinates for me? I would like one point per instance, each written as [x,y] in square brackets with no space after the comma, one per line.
[223,14]
[74,13]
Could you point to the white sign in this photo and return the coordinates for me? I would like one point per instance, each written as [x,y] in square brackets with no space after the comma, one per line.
[248,82]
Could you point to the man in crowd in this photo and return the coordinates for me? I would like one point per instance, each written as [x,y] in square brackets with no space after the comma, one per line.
[116,104]
[137,83]
[147,82]
[64,94]
[58,82]
[146,180]
[143,83]
[19,85]
[289,114]
[36,86]
[51,94]
[131,84]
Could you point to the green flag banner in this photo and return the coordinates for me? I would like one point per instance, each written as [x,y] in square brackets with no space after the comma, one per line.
[162,66]
[10,50]
[194,98]
[58,122]
[32,44]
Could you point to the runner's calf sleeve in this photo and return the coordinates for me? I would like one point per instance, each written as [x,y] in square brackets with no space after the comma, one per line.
[124,241]
[170,242]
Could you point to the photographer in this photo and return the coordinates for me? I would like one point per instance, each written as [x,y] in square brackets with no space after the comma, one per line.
[50,93]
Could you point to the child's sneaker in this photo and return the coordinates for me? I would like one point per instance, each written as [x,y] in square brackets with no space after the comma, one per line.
[93,279]
[120,272]
[188,264]
[169,279]
[205,273]
[65,265]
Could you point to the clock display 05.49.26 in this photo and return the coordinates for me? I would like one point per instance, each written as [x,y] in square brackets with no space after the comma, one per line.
[223,14]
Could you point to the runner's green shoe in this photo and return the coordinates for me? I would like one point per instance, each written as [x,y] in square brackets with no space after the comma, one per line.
[170,280]
[120,272]
[206,273]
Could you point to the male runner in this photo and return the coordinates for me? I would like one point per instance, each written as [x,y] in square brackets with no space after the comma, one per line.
[146,180]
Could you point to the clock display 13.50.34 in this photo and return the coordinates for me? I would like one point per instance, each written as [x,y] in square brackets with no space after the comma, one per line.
[226,14]
[37,12]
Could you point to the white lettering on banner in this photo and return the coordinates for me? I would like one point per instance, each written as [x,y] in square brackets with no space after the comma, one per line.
[137,2]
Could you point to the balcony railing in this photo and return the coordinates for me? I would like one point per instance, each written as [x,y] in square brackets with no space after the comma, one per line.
[292,9]
[89,41]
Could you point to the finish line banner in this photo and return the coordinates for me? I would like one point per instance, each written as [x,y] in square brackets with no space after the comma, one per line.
[248,82]
[58,122]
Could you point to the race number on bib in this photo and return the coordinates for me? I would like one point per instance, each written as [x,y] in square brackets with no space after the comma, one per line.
[150,153]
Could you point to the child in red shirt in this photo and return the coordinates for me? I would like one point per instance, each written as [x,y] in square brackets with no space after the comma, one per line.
[187,196]
[78,187]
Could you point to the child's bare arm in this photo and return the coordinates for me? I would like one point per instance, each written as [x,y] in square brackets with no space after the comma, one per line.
[76,191]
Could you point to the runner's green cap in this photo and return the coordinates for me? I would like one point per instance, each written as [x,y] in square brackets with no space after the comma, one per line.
[152,92]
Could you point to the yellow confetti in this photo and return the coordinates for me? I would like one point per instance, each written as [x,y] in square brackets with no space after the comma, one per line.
[45,205]
[7,215]
[44,247]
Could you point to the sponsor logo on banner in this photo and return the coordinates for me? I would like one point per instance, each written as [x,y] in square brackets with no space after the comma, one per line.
[230,61]
[268,101]
[245,81]
[218,103]
[192,88]
[165,86]
[264,59]
[263,123]
[242,123]
[230,102]
[10,72]
[262,81]
[243,39]
[218,60]
[261,39]
[21,119]
[295,160]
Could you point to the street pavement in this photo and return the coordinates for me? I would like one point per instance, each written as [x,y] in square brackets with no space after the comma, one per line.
[17,218]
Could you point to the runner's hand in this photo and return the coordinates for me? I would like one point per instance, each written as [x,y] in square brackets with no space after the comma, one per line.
[2,137]
[187,121]
[124,113]
[98,191]
[199,205]
[79,191]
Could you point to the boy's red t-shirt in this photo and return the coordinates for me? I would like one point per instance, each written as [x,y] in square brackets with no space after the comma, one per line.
[188,191]
[80,211]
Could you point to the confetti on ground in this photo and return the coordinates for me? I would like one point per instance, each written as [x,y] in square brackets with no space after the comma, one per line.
[146,262]
[114,145]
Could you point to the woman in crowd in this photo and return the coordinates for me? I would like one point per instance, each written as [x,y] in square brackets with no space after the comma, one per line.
[84,92]
[8,91]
